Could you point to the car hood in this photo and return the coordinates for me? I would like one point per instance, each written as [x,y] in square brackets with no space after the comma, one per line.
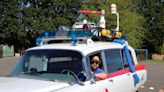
[9,84]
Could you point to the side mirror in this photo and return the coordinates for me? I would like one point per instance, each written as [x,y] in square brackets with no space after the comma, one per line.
[82,76]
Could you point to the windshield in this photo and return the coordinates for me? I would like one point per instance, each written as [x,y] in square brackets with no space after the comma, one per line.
[62,65]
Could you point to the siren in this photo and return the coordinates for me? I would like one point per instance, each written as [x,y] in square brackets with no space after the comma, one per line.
[113,9]
[105,32]
[85,26]
[118,35]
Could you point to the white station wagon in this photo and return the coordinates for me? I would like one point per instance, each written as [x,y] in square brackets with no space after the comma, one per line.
[65,67]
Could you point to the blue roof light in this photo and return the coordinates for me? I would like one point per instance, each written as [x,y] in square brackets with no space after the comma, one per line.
[73,38]
[38,41]
[78,33]
[62,35]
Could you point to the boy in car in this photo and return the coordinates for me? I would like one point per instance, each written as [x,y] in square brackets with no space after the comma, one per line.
[98,72]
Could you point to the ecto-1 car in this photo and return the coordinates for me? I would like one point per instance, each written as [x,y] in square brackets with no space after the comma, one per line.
[63,63]
[65,67]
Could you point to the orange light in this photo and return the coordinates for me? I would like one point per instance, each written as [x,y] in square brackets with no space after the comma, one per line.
[118,35]
[105,32]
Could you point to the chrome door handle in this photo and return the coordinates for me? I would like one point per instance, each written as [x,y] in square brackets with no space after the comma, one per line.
[129,74]
[111,80]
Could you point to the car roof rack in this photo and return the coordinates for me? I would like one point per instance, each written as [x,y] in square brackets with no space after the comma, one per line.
[99,32]
[65,36]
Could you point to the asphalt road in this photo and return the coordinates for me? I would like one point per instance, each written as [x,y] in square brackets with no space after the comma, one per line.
[7,64]
[154,83]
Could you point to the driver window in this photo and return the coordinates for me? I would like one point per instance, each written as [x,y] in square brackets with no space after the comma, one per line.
[97,58]
[96,66]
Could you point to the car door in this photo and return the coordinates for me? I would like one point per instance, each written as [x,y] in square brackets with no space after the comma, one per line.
[97,86]
[139,68]
[93,85]
[120,78]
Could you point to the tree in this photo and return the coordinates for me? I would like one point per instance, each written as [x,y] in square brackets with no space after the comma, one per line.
[47,15]
[11,29]
[153,11]
[22,21]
